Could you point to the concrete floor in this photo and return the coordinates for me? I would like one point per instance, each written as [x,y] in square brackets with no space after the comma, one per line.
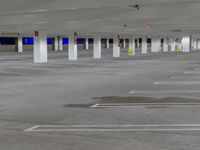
[61,93]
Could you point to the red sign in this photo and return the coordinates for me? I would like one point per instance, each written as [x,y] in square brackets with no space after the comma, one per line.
[148,26]
[36,33]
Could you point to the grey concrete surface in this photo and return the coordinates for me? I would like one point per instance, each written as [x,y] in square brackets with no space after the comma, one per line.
[61,93]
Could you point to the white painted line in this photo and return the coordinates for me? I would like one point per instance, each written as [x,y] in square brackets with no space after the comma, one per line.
[129,105]
[11,72]
[185,77]
[192,72]
[31,68]
[114,128]
[176,83]
[166,92]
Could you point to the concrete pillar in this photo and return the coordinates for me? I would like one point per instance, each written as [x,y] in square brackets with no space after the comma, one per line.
[108,43]
[124,43]
[73,47]
[19,45]
[173,45]
[40,47]
[60,46]
[186,44]
[56,43]
[155,44]
[116,46]
[131,50]
[97,47]
[86,43]
[165,45]
[144,45]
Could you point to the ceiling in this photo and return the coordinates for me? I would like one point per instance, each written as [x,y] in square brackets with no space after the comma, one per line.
[106,17]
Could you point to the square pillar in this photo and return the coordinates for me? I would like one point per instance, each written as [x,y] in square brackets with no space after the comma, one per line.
[144,45]
[40,47]
[173,45]
[155,44]
[108,43]
[132,46]
[60,43]
[97,47]
[19,45]
[56,43]
[73,47]
[165,45]
[86,43]
[116,46]
[186,44]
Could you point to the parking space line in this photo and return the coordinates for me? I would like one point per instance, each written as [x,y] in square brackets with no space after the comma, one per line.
[185,77]
[177,83]
[31,68]
[192,72]
[166,92]
[115,128]
[127,105]
[14,73]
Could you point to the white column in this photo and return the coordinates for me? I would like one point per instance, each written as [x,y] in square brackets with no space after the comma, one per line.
[56,43]
[124,43]
[155,44]
[73,47]
[86,43]
[97,47]
[165,45]
[60,43]
[116,46]
[173,45]
[194,43]
[19,45]
[144,45]
[108,43]
[131,46]
[186,44]
[40,47]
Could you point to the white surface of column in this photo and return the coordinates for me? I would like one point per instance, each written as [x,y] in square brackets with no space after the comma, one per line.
[60,43]
[173,45]
[144,45]
[73,47]
[155,44]
[97,47]
[116,47]
[131,46]
[19,44]
[86,43]
[40,48]
[108,43]
[186,44]
[56,43]
[124,43]
[165,45]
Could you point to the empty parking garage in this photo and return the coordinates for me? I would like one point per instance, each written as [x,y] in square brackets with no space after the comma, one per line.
[99,75]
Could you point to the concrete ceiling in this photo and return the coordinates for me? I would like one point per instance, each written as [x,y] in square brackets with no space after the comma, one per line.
[105,17]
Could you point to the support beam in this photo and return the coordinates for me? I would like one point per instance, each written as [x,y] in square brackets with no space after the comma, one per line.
[186,44]
[40,47]
[19,45]
[73,47]
[155,44]
[108,43]
[124,43]
[97,47]
[86,43]
[165,45]
[132,46]
[116,46]
[60,46]
[56,43]
[144,45]
[173,45]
